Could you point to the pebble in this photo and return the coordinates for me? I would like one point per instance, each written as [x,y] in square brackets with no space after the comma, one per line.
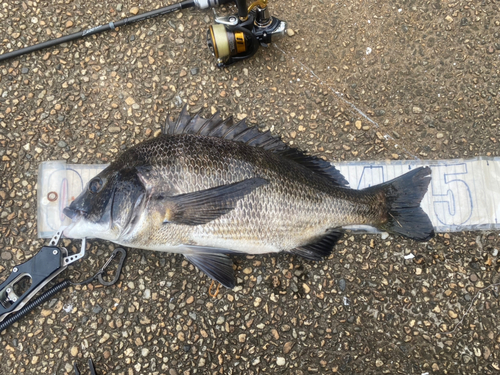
[275,334]
[417,110]
[288,346]
[358,125]
[342,285]
[473,277]
[114,129]
[280,361]
[134,10]
[24,70]
[62,144]
[290,32]
[194,71]
[419,259]
[452,314]
[96,309]
[6,255]
[105,337]
[486,353]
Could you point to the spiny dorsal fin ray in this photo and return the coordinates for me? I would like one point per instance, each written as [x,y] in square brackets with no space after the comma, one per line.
[252,136]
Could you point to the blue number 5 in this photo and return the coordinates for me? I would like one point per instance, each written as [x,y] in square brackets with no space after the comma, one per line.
[453,205]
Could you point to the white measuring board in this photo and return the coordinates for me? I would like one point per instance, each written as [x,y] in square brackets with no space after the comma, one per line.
[464,194]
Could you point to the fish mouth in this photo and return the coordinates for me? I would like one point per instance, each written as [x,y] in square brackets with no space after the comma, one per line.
[76,217]
[73,213]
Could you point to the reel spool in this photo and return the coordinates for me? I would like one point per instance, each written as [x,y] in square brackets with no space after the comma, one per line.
[235,38]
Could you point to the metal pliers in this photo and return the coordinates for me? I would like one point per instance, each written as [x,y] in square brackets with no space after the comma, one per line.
[37,272]
[27,279]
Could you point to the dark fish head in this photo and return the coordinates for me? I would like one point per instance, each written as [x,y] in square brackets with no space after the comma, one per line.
[107,206]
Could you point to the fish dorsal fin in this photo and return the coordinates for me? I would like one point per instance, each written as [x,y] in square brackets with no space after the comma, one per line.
[317,165]
[226,129]
[252,136]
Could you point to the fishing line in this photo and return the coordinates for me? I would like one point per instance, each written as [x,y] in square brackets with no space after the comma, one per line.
[353,109]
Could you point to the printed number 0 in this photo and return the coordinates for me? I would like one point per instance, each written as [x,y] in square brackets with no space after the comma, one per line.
[453,203]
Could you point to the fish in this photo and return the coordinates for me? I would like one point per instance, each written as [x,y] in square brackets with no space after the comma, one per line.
[209,189]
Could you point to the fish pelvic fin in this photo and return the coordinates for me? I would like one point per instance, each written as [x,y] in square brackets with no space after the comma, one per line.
[404,215]
[201,207]
[217,266]
[320,249]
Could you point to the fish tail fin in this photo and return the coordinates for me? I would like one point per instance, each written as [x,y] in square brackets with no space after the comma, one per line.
[404,215]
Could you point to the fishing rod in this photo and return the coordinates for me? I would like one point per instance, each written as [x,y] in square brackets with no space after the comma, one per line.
[232,39]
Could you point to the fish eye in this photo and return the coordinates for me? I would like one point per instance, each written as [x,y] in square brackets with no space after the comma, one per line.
[95,185]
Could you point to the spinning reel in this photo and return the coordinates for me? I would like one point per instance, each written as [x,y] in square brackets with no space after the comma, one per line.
[237,37]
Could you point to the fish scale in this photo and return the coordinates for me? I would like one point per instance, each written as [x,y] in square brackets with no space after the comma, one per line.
[270,230]
[205,188]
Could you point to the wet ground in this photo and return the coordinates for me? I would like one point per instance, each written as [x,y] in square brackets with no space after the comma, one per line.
[352,81]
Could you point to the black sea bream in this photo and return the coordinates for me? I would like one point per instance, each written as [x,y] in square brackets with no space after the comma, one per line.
[208,188]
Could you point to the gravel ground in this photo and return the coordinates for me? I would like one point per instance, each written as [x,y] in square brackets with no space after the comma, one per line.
[351,81]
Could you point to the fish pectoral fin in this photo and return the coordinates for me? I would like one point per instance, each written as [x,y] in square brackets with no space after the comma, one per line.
[217,266]
[203,206]
[321,249]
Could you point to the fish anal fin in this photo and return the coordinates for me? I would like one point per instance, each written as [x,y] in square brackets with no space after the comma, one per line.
[217,266]
[320,249]
[201,207]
